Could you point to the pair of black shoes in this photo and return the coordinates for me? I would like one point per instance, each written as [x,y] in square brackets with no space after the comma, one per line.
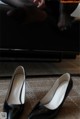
[47,108]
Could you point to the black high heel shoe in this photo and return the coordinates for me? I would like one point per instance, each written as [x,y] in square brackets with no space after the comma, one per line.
[50,104]
[15,99]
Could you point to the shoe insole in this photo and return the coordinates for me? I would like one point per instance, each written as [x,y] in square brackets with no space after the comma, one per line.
[58,96]
[14,97]
[76,12]
[2,3]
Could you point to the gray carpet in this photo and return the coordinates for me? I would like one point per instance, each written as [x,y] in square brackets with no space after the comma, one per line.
[42,68]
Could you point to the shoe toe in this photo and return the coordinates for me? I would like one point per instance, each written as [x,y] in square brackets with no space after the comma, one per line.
[40,112]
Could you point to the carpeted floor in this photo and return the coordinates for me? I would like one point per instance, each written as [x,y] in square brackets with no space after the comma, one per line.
[36,88]
[42,68]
